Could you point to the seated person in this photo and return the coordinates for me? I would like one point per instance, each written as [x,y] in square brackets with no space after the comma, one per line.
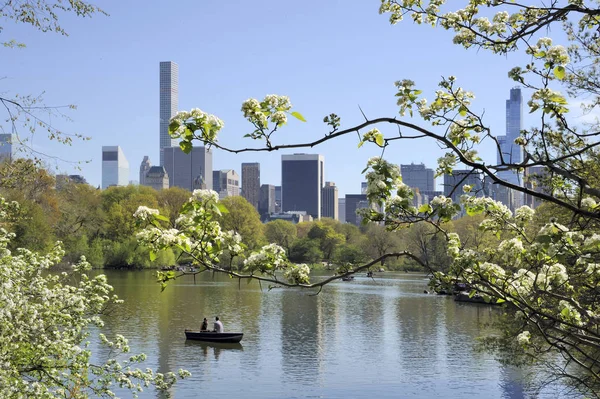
[204,325]
[218,327]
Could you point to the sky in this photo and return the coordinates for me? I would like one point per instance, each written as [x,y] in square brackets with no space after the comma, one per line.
[328,56]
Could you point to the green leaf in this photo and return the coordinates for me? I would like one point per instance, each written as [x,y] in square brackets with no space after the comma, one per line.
[360,144]
[499,300]
[152,256]
[559,72]
[185,146]
[222,208]
[298,116]
[425,208]
[161,217]
[379,140]
[462,110]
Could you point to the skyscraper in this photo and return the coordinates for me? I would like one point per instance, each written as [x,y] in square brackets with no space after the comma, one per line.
[353,203]
[342,210]
[418,176]
[6,147]
[226,182]
[329,201]
[266,203]
[301,183]
[511,152]
[169,99]
[115,168]
[190,171]
[454,183]
[251,182]
[144,168]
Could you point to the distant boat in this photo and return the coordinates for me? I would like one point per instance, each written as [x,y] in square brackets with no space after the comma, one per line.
[347,278]
[464,296]
[209,336]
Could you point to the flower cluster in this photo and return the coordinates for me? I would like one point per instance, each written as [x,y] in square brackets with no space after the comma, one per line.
[270,258]
[272,107]
[297,274]
[144,213]
[186,126]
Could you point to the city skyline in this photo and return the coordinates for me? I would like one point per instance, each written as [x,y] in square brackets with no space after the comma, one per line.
[104,74]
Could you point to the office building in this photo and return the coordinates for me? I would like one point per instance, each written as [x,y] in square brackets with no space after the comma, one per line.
[329,201]
[7,148]
[251,183]
[418,176]
[353,203]
[342,210]
[277,199]
[536,179]
[226,182]
[115,168]
[302,178]
[189,171]
[363,187]
[144,168]
[157,178]
[454,183]
[266,202]
[169,102]
[511,153]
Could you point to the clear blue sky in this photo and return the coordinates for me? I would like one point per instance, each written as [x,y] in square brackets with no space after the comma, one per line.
[327,56]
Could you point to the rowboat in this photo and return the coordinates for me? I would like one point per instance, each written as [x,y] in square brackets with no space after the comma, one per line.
[209,336]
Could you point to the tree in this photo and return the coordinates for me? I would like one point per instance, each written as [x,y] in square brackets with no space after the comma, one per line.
[380,242]
[281,232]
[329,240]
[45,324]
[548,276]
[242,218]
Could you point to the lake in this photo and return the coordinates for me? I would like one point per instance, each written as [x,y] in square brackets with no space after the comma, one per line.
[367,338]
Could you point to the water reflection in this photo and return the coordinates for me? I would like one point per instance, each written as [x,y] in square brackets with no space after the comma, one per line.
[367,338]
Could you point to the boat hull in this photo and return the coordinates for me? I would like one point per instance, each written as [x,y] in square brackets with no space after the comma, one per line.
[213,336]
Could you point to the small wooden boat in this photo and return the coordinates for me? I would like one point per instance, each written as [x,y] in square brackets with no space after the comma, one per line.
[347,278]
[209,336]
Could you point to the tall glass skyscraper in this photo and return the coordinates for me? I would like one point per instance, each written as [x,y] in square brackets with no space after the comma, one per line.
[169,102]
[511,152]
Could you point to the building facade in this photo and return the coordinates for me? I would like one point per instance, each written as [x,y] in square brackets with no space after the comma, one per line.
[144,168]
[329,201]
[115,168]
[7,148]
[157,178]
[511,153]
[418,176]
[454,183]
[277,199]
[226,182]
[266,203]
[169,102]
[189,171]
[342,210]
[302,178]
[355,202]
[251,183]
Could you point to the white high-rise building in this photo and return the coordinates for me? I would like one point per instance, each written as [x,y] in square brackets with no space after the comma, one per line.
[115,168]
[169,102]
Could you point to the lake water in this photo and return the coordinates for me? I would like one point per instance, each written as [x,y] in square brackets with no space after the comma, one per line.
[381,338]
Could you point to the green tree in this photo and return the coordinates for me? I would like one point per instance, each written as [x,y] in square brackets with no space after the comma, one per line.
[171,200]
[380,241]
[281,232]
[243,218]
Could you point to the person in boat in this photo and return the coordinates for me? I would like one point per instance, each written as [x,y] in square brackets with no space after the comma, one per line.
[204,325]
[218,327]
